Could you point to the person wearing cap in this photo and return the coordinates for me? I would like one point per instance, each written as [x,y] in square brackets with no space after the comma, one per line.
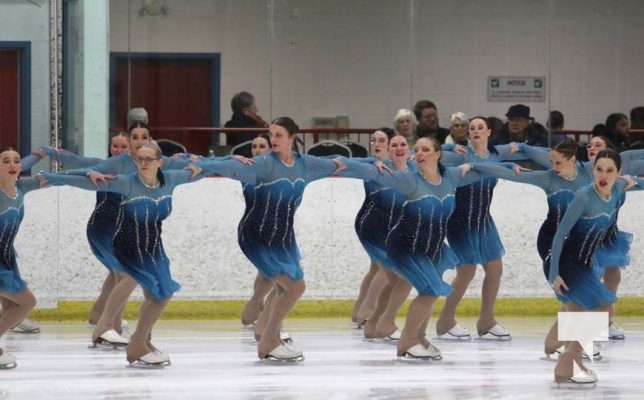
[519,128]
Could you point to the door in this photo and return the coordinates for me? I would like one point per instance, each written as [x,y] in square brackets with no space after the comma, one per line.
[176,90]
[10,98]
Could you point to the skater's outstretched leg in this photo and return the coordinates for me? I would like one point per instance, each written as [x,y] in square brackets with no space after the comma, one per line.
[447,319]
[282,304]
[99,304]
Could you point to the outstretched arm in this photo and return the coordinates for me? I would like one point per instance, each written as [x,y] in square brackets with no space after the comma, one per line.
[72,160]
[536,178]
[540,155]
[119,185]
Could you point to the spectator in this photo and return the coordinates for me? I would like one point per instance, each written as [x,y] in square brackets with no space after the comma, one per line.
[617,126]
[637,118]
[520,128]
[459,129]
[427,115]
[405,123]
[244,116]
[556,124]
[637,122]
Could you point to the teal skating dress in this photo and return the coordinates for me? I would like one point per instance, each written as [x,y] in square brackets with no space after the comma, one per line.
[416,243]
[266,234]
[11,215]
[137,243]
[583,227]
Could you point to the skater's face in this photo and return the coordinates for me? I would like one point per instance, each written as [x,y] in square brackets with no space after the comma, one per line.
[595,145]
[379,142]
[606,173]
[119,144]
[9,165]
[281,141]
[398,148]
[428,152]
[479,131]
[259,146]
[138,137]
[148,160]
[561,165]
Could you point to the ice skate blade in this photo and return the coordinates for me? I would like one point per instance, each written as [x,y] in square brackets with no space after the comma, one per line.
[572,385]
[407,358]
[107,346]
[452,338]
[143,365]
[617,337]
[555,357]
[488,337]
[9,366]
[274,360]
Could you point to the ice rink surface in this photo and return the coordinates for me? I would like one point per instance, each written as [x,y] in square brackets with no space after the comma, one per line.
[217,360]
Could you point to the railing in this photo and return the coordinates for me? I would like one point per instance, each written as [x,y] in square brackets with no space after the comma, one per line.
[200,140]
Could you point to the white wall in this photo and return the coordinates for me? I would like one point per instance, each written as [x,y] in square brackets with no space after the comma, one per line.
[367,59]
[200,238]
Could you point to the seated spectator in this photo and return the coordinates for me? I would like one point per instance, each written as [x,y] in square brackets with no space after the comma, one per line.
[637,123]
[404,124]
[496,124]
[138,114]
[617,126]
[427,116]
[459,129]
[520,128]
[556,124]
[245,115]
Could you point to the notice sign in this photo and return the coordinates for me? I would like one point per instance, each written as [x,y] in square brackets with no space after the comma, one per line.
[516,88]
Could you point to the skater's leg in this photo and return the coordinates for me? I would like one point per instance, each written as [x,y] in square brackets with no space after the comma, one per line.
[115,304]
[417,317]
[387,322]
[447,319]
[282,304]
[252,309]
[99,304]
[15,307]
[381,303]
[362,294]
[149,314]
[489,292]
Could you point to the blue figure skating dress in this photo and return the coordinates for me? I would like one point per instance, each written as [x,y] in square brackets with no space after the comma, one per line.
[583,227]
[11,215]
[379,213]
[416,244]
[471,231]
[560,193]
[266,234]
[101,226]
[137,243]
